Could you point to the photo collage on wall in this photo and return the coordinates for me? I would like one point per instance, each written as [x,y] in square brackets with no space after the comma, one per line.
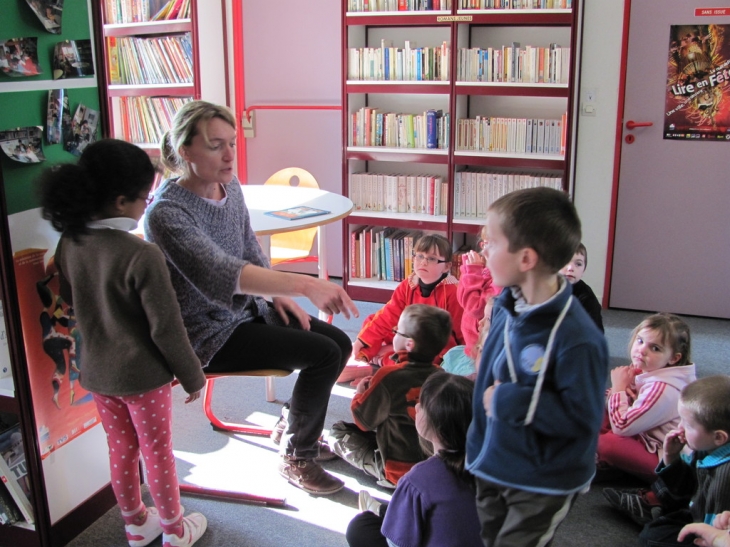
[19,57]
[23,144]
[49,13]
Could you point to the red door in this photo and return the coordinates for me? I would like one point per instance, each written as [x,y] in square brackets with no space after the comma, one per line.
[671,247]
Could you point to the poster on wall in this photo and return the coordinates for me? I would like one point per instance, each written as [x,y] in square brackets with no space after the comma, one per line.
[63,409]
[19,57]
[82,131]
[697,104]
[73,59]
[58,114]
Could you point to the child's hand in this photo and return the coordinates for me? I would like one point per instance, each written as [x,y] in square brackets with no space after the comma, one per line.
[707,536]
[363,384]
[473,257]
[487,399]
[674,442]
[193,396]
[722,521]
[621,378]
[357,347]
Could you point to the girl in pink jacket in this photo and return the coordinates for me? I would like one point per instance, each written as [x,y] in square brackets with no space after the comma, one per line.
[642,402]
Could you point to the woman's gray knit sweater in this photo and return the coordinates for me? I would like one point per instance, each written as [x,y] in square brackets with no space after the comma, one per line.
[206,246]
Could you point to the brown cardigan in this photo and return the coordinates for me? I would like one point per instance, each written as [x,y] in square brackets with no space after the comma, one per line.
[133,338]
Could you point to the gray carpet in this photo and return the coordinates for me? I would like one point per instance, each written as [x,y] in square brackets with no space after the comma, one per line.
[245,463]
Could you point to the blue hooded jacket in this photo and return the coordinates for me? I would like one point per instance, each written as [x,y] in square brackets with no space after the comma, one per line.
[548,407]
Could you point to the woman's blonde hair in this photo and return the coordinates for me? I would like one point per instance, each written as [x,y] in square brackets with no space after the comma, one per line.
[185,127]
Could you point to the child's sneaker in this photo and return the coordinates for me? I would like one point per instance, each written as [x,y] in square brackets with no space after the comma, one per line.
[633,504]
[140,535]
[194,526]
[366,502]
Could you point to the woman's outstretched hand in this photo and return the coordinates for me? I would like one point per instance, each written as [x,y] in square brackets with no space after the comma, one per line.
[331,298]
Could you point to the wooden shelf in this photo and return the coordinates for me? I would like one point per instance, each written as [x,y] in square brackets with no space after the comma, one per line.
[151,90]
[466,101]
[149,28]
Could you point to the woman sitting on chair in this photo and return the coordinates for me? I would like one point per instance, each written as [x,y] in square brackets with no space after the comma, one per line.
[220,275]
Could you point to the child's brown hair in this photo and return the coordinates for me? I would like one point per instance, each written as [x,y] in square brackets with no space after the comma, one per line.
[428,242]
[429,327]
[673,331]
[708,399]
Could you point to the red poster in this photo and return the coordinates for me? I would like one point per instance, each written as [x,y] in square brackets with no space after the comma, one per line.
[63,409]
[697,103]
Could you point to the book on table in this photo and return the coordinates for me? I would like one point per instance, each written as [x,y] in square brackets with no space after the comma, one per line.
[296,213]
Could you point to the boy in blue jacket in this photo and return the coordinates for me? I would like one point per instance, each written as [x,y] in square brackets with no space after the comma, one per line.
[539,393]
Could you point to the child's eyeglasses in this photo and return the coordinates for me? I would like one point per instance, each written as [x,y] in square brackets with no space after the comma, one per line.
[394,330]
[430,260]
[148,199]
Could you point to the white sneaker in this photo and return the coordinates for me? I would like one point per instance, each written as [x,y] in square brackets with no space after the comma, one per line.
[140,535]
[366,502]
[194,526]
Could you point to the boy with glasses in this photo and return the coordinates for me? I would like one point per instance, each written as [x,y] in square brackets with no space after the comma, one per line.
[383,441]
[430,283]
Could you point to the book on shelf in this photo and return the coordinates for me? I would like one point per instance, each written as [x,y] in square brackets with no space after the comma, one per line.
[9,512]
[14,472]
[297,213]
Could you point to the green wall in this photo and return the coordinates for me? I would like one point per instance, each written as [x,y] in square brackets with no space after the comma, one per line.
[28,108]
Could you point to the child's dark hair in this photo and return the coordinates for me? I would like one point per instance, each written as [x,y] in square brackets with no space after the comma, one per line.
[709,401]
[429,327]
[542,219]
[72,194]
[446,400]
[581,250]
[674,334]
[429,242]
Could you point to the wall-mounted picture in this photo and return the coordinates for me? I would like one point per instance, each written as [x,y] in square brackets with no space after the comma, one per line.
[697,103]
[19,57]
[49,13]
[73,59]
[82,131]
[23,144]
[57,111]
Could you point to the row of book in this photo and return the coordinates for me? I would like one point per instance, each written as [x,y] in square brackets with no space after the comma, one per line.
[15,493]
[140,11]
[516,4]
[399,193]
[372,127]
[514,63]
[145,119]
[398,5]
[512,135]
[156,60]
[382,253]
[409,63]
[475,191]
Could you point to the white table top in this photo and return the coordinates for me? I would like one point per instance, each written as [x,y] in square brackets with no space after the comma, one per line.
[260,199]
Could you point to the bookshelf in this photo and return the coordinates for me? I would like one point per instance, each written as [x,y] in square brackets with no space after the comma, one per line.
[150,67]
[501,82]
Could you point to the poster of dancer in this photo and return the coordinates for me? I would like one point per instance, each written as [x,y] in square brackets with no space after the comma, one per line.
[23,144]
[82,131]
[73,59]
[19,57]
[57,111]
[49,13]
[697,104]
[52,344]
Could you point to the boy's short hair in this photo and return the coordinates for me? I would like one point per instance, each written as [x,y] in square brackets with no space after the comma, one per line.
[430,241]
[709,401]
[674,332]
[581,250]
[542,219]
[429,327]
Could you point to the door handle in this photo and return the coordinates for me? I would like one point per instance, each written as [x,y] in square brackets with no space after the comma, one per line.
[631,124]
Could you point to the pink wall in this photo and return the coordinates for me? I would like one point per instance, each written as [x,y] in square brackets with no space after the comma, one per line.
[295,59]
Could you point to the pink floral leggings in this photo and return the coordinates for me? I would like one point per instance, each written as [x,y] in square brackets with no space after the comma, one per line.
[137,424]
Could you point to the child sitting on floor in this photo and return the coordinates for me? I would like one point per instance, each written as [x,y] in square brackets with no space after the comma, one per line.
[474,291]
[383,441]
[573,272]
[434,503]
[430,283]
[642,401]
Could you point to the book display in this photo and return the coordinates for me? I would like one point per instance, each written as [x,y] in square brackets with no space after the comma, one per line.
[151,66]
[447,107]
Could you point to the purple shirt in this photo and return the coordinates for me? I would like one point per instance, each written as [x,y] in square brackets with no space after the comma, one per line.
[432,507]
